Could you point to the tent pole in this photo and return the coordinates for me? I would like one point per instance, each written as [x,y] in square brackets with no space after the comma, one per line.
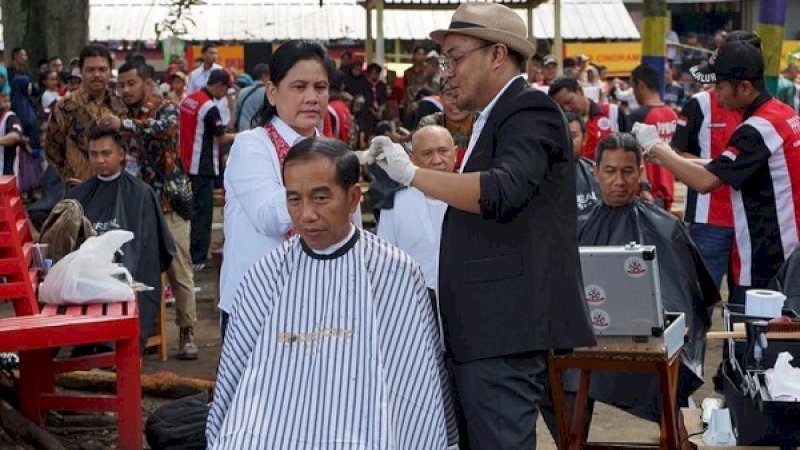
[558,44]
[379,50]
[368,41]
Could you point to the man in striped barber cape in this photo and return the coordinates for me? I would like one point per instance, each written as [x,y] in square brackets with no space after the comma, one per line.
[761,163]
[332,342]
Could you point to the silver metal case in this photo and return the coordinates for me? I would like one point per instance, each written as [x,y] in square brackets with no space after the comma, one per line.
[622,290]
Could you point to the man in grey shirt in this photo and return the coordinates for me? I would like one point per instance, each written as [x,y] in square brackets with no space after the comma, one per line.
[251,98]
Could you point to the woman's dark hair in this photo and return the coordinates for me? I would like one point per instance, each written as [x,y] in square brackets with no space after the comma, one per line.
[43,76]
[615,141]
[336,151]
[92,50]
[284,58]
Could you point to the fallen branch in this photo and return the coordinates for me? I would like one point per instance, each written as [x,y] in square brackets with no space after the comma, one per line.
[161,384]
[22,429]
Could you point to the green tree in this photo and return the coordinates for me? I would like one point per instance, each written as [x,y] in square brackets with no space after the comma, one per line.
[45,28]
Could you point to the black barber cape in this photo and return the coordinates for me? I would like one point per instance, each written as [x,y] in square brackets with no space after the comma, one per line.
[788,281]
[587,191]
[126,203]
[686,286]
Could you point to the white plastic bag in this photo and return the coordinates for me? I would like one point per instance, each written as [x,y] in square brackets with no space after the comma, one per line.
[783,381]
[89,275]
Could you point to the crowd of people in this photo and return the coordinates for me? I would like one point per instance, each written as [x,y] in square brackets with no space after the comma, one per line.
[487,169]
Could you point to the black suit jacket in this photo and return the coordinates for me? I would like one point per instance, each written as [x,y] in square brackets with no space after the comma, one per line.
[510,278]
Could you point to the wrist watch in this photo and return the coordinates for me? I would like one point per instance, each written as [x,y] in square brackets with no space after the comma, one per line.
[645,186]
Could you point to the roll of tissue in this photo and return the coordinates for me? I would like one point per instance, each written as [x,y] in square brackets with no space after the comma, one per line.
[763,303]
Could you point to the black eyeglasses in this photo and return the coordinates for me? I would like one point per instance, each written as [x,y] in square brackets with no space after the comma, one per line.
[449,63]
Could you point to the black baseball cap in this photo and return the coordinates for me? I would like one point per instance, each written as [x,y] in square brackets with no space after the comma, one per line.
[704,73]
[219,76]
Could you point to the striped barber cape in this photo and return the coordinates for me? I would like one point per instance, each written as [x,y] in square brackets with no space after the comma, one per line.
[332,351]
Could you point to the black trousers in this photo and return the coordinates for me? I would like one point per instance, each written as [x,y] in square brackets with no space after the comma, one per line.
[499,400]
[203,191]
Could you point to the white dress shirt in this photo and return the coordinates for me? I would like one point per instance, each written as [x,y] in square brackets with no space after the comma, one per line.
[256,218]
[415,226]
[198,78]
[477,127]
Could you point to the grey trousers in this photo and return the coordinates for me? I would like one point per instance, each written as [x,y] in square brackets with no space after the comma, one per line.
[499,400]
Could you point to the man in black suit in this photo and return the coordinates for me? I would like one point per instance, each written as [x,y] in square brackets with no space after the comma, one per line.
[509,274]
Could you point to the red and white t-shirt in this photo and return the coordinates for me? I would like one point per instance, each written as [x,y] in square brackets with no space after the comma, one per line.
[665,119]
[200,124]
[762,164]
[704,128]
[603,120]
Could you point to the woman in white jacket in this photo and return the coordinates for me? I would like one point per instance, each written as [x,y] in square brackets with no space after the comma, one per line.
[256,218]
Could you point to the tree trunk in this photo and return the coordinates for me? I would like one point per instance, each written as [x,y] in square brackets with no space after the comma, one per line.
[45,28]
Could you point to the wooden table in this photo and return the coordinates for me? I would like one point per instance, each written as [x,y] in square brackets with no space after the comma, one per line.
[615,354]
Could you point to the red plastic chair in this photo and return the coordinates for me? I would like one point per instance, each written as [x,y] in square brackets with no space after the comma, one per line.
[34,334]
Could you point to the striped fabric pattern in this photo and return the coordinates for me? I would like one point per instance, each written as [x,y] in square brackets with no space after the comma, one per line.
[332,353]
[777,217]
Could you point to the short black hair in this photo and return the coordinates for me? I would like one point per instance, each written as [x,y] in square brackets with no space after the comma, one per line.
[568,83]
[419,47]
[93,50]
[625,141]
[647,74]
[144,71]
[260,70]
[53,58]
[759,84]
[16,51]
[135,58]
[207,46]
[336,151]
[518,59]
[374,66]
[97,131]
[574,117]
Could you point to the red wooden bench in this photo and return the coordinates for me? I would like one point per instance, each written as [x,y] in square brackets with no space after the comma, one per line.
[35,333]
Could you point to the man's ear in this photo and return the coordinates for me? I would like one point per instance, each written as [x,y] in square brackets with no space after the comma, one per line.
[354,197]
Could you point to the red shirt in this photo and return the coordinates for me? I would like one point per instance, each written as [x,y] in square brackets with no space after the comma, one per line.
[704,128]
[665,119]
[338,122]
[603,120]
[762,164]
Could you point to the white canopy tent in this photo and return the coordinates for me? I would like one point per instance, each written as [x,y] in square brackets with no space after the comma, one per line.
[260,20]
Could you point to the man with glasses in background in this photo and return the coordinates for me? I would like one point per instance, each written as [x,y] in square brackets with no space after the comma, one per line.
[509,284]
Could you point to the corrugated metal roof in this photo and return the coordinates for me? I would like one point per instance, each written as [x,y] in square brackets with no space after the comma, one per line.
[451,4]
[259,20]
